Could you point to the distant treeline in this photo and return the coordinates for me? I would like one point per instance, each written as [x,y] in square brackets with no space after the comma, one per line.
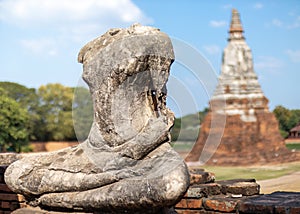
[47,114]
[43,114]
[287,119]
[188,127]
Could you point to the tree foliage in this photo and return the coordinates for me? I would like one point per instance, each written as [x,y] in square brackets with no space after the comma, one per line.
[287,119]
[283,116]
[187,128]
[47,114]
[55,110]
[82,113]
[27,99]
[48,110]
[13,124]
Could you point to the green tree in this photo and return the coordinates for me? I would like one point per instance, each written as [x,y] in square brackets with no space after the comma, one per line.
[82,112]
[287,119]
[27,99]
[176,129]
[295,118]
[187,127]
[13,124]
[283,116]
[56,113]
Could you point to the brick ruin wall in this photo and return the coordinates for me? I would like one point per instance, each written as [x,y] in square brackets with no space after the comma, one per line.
[204,196]
[244,143]
[9,200]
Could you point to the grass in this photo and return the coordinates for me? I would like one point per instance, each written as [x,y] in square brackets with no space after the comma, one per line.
[259,173]
[187,146]
[182,146]
[292,146]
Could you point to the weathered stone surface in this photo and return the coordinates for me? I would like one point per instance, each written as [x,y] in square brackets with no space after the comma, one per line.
[127,163]
[277,202]
[199,212]
[40,211]
[32,210]
[203,190]
[246,187]
[199,176]
[239,129]
[189,203]
[221,204]
[8,158]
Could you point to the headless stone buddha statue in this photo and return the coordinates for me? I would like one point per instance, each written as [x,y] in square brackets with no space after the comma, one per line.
[126,163]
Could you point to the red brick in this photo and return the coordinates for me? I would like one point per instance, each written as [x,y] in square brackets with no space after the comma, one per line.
[247,207]
[189,212]
[280,210]
[199,212]
[254,142]
[181,211]
[194,203]
[295,210]
[5,205]
[4,188]
[203,190]
[199,176]
[181,204]
[220,204]
[245,187]
[189,203]
[8,197]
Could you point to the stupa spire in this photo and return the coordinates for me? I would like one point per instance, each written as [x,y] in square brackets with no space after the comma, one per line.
[239,129]
[236,28]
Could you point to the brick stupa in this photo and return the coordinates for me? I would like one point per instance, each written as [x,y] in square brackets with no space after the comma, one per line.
[239,128]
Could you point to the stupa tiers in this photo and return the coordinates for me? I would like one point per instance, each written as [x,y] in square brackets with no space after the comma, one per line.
[239,113]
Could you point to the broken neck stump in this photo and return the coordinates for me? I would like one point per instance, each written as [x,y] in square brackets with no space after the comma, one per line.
[127,163]
[239,128]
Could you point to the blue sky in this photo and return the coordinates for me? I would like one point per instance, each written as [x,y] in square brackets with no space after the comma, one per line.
[40,40]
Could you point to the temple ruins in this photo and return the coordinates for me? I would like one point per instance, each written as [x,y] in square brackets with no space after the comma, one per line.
[239,113]
[126,165]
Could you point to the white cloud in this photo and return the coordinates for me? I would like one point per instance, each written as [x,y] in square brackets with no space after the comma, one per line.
[291,13]
[258,6]
[212,49]
[293,55]
[68,21]
[35,12]
[292,23]
[295,24]
[220,23]
[40,46]
[277,23]
[227,6]
[268,63]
